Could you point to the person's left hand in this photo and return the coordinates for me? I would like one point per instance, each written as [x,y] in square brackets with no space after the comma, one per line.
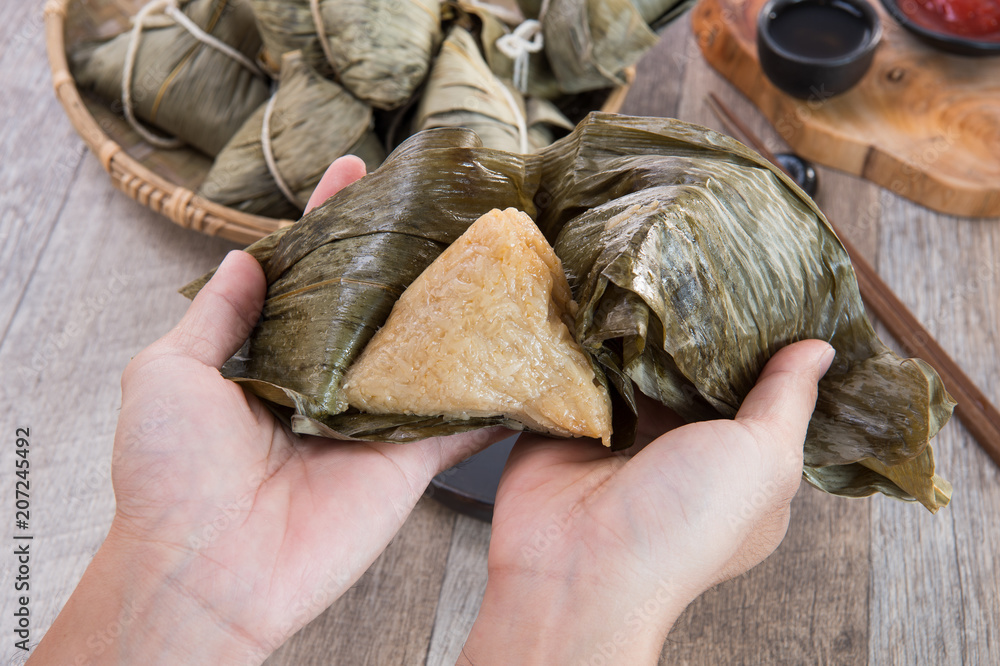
[230,531]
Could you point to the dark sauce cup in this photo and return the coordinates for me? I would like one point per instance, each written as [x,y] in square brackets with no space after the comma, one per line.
[815,49]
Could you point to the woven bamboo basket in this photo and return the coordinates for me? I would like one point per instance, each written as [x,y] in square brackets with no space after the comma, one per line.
[163,180]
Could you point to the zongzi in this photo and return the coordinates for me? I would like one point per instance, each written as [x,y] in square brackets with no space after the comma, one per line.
[285,25]
[195,92]
[462,91]
[589,44]
[483,331]
[309,123]
[380,50]
[693,261]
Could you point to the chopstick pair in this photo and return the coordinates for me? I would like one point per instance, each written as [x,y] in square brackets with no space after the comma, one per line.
[977,413]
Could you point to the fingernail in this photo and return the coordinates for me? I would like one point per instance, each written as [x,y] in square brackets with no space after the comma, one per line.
[826,360]
[229,258]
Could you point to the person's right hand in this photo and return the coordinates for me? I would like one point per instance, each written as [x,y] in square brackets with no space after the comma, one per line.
[594,554]
[231,532]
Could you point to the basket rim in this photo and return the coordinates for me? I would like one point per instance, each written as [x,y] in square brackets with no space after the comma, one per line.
[179,204]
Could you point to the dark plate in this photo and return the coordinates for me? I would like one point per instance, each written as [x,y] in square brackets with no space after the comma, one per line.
[471,486]
[941,40]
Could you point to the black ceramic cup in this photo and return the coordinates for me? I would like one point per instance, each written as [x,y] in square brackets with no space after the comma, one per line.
[815,49]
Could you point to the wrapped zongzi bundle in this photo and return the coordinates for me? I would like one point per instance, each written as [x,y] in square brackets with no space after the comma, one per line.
[570,46]
[285,25]
[273,163]
[586,44]
[692,260]
[463,92]
[380,50]
[590,43]
[197,89]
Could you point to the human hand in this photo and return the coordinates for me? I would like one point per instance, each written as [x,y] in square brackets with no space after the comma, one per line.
[594,554]
[231,532]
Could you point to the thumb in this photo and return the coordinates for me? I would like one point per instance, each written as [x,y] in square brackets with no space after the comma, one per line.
[344,171]
[782,401]
[223,313]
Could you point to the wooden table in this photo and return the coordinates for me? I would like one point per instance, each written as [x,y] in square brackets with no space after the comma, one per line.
[88,278]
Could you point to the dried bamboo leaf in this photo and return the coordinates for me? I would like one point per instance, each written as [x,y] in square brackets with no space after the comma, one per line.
[545,122]
[692,259]
[381,49]
[541,80]
[313,122]
[185,88]
[285,25]
[677,226]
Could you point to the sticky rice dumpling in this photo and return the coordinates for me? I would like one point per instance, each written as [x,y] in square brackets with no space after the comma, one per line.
[311,122]
[693,261]
[483,331]
[462,91]
[285,25]
[588,43]
[189,90]
[380,50]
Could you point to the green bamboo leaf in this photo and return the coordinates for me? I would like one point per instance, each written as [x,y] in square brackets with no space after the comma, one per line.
[692,260]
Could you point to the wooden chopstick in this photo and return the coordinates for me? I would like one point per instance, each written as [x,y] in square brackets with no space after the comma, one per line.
[977,413]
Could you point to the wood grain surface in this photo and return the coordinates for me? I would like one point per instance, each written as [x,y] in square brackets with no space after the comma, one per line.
[88,278]
[921,122]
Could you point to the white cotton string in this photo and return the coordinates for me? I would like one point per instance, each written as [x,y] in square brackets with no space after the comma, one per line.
[182,19]
[272,164]
[170,8]
[138,23]
[522,124]
[321,32]
[518,46]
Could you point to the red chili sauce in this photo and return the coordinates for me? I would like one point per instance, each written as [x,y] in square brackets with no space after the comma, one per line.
[970,19]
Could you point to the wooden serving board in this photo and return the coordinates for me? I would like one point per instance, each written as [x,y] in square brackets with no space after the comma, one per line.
[922,123]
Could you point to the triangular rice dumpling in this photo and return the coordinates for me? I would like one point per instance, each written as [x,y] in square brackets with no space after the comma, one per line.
[312,122]
[589,44]
[463,92]
[380,50]
[484,331]
[187,89]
